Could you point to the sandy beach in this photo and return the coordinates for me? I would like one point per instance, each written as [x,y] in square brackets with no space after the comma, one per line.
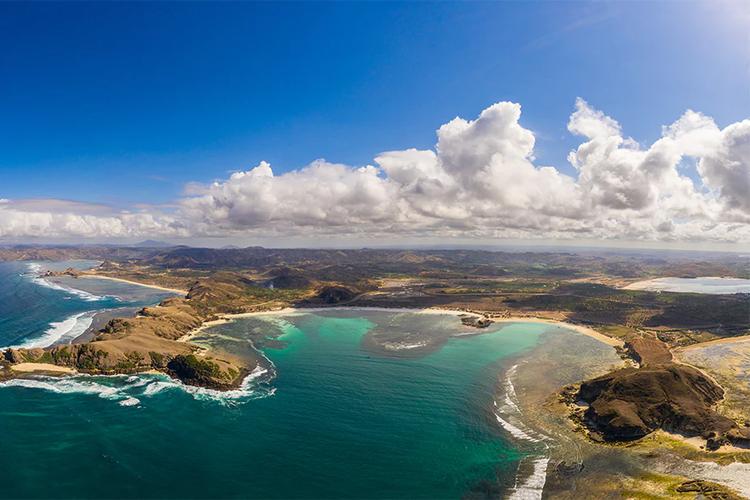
[156,287]
[513,319]
[41,367]
[579,328]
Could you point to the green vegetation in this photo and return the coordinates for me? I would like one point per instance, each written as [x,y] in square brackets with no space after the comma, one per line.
[190,367]
[157,359]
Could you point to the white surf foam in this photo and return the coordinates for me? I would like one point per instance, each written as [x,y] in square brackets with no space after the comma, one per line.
[34,268]
[509,414]
[66,385]
[38,279]
[515,430]
[533,486]
[246,391]
[61,331]
[510,390]
[510,417]
[83,295]
[152,388]
[130,390]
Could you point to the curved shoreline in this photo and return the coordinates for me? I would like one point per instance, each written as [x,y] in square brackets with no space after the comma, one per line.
[300,310]
[524,319]
[121,280]
[290,310]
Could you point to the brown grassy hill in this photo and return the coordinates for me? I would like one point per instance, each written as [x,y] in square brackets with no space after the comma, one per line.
[492,271]
[630,403]
[149,341]
[697,269]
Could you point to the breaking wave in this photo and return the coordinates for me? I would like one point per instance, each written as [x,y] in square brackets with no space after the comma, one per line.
[61,332]
[532,486]
[508,414]
[34,271]
[135,390]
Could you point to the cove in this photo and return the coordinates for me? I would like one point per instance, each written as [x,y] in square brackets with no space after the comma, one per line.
[332,417]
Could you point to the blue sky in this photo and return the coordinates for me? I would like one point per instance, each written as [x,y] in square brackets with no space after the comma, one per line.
[126,121]
[125,103]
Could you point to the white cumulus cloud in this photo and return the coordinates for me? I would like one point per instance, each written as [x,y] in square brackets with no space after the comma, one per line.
[481,180]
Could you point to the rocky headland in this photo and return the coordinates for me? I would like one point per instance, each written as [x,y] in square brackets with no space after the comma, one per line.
[149,341]
[630,403]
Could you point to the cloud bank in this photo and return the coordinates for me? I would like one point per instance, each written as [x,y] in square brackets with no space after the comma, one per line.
[480,181]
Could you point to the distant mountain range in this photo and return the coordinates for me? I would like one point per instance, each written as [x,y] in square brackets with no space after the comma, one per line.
[151,244]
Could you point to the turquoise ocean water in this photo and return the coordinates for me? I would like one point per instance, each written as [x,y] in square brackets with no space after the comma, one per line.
[326,416]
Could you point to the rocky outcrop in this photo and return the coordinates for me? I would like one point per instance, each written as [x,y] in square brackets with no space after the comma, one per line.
[475,321]
[13,356]
[128,355]
[708,490]
[70,272]
[630,403]
[337,293]
[206,372]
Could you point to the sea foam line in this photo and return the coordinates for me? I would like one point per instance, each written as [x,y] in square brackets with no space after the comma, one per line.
[60,331]
[515,431]
[510,392]
[129,390]
[65,385]
[507,413]
[509,417]
[37,278]
[248,389]
[68,329]
[81,294]
[533,486]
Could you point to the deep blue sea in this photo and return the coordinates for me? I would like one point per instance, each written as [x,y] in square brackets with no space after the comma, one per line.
[35,312]
[326,416]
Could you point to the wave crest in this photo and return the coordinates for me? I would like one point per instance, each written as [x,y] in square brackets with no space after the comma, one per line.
[132,390]
[61,332]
